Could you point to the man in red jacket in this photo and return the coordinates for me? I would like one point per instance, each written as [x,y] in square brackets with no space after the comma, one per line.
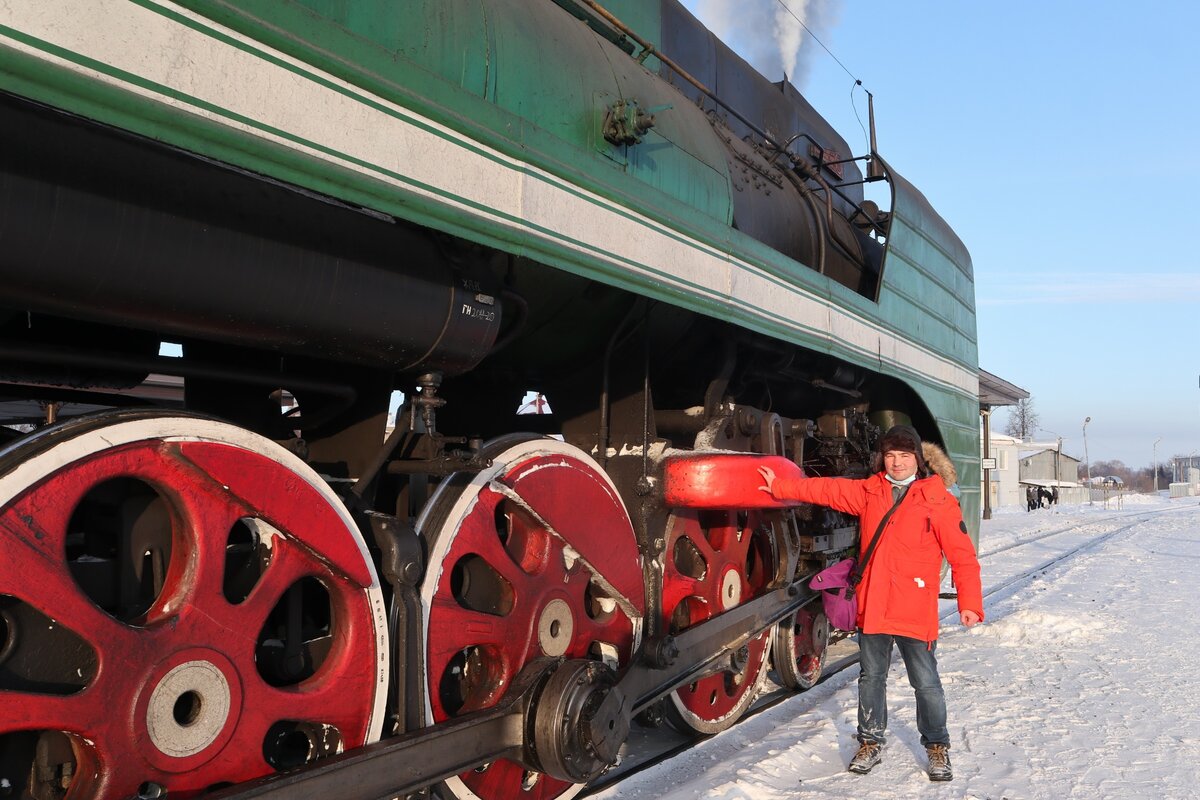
[898,595]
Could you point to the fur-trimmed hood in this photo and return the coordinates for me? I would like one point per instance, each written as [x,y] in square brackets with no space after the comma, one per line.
[939,463]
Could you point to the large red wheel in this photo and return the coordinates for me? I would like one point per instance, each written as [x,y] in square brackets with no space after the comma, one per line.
[533,557]
[183,605]
[715,560]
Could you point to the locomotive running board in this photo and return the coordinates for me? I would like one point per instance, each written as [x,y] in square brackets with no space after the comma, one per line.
[395,767]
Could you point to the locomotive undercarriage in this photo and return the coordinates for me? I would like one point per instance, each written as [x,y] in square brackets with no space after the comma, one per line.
[189,604]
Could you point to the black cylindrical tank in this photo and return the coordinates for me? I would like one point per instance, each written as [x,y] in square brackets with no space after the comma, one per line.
[106,228]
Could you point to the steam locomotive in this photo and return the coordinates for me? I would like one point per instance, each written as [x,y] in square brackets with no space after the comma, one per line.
[232,231]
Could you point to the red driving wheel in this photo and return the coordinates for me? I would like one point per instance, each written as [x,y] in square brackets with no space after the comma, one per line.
[715,560]
[183,605]
[533,557]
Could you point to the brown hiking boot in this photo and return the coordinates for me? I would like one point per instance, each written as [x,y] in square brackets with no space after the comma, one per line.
[939,762]
[869,754]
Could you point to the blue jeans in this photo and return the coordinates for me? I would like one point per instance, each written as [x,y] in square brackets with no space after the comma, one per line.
[875,656]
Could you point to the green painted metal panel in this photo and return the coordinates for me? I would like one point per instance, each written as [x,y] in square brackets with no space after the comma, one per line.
[450,38]
[927,277]
[929,293]
[548,70]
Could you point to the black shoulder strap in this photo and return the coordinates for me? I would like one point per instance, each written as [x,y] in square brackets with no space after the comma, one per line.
[856,575]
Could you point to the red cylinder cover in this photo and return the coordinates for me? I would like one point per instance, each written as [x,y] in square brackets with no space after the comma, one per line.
[723,480]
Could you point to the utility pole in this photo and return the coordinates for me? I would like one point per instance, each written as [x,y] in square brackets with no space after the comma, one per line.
[986,412]
[1057,463]
[1087,460]
[1155,451]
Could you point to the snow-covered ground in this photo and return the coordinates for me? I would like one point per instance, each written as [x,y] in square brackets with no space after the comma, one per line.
[1084,681]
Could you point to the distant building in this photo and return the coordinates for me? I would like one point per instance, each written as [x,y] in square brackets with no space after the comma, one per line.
[1021,464]
[1045,467]
[1004,485]
[994,392]
[1043,464]
[1180,466]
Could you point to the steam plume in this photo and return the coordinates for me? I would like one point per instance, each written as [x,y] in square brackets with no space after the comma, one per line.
[766,33]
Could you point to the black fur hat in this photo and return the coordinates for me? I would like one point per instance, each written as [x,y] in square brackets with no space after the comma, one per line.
[901,437]
[904,438]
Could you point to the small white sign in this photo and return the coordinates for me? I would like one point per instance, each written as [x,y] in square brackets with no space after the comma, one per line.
[988,463]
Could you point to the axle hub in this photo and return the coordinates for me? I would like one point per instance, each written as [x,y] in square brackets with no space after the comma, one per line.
[565,716]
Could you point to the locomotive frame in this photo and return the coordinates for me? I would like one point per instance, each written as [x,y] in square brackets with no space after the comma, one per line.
[464,201]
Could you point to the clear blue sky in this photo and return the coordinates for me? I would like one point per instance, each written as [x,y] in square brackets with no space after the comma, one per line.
[1061,141]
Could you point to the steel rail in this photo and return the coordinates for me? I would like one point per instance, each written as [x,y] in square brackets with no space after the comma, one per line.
[1058,531]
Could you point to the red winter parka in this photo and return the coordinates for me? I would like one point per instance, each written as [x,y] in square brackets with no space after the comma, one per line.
[899,589]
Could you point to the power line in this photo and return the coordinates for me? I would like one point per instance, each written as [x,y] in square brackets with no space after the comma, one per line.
[857,83]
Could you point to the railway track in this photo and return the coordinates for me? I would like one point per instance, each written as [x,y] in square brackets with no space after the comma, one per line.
[1090,544]
[649,747]
[1040,535]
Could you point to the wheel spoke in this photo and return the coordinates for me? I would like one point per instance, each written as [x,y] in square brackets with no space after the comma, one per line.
[321,702]
[83,712]
[610,631]
[215,619]
[287,565]
[35,577]
[580,507]
[713,558]
[475,656]
[525,538]
[681,586]
[479,536]
[458,628]
[719,541]
[208,512]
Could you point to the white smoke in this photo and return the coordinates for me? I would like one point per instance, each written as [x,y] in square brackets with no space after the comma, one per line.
[768,33]
[789,33]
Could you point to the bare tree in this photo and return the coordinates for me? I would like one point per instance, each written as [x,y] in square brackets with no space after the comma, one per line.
[1022,419]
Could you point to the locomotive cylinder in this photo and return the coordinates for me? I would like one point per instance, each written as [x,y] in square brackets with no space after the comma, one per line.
[120,233]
